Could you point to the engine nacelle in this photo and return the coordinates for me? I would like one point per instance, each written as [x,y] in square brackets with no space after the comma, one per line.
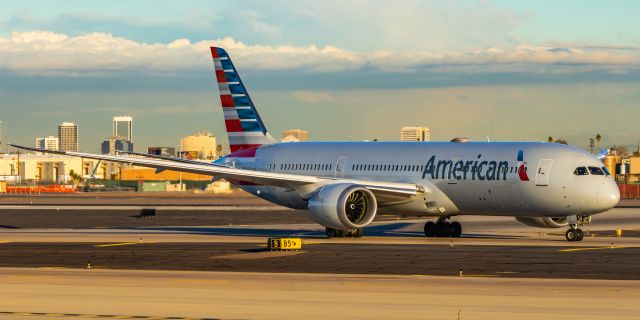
[541,222]
[343,206]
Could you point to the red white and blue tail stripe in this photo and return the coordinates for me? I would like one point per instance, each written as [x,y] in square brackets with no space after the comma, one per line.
[244,126]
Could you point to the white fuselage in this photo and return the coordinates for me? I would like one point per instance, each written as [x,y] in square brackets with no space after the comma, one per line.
[475,178]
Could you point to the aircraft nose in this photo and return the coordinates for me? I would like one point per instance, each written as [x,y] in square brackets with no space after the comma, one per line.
[608,195]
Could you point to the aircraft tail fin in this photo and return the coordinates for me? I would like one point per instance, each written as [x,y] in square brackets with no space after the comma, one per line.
[245,129]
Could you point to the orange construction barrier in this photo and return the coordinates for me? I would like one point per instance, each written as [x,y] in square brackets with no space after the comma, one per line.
[56,188]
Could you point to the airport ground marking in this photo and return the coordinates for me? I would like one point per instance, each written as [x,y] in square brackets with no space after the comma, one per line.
[116,244]
[590,248]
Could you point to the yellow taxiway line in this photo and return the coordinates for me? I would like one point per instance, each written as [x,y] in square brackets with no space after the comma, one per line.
[116,244]
[590,248]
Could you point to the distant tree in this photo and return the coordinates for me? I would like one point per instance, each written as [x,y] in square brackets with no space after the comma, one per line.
[75,177]
[598,139]
[591,144]
[550,139]
[561,141]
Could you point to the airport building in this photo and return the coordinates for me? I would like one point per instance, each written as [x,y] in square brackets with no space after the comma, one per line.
[415,134]
[114,144]
[200,146]
[162,151]
[149,174]
[290,138]
[49,143]
[295,135]
[123,127]
[68,136]
[51,168]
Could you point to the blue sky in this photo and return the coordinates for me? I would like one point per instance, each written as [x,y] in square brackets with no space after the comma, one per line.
[517,70]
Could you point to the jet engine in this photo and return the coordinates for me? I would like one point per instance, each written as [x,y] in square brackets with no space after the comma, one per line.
[541,222]
[343,206]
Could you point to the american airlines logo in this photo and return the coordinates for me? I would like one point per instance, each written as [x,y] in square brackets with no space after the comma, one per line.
[477,169]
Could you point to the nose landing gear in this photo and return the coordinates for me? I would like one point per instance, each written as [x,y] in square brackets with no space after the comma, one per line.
[574,233]
[442,228]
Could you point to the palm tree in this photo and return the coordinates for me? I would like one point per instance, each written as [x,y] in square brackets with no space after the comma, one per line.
[591,144]
[598,138]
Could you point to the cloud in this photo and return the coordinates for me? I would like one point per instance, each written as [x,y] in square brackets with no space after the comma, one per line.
[51,53]
[312,96]
[46,52]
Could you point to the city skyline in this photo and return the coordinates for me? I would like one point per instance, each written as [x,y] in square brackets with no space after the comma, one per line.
[478,69]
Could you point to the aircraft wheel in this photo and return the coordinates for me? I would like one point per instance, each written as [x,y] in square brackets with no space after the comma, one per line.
[456,229]
[342,233]
[571,235]
[430,229]
[579,235]
[443,229]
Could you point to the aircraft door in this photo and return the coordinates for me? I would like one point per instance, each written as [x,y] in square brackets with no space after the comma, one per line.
[453,173]
[258,164]
[542,174]
[340,166]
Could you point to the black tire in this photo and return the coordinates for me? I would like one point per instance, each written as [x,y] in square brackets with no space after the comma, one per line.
[430,229]
[357,233]
[341,233]
[456,229]
[579,235]
[331,233]
[443,229]
[570,235]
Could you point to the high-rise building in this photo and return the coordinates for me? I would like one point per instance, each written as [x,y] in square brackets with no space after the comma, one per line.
[415,134]
[201,145]
[68,136]
[49,143]
[123,127]
[116,143]
[300,135]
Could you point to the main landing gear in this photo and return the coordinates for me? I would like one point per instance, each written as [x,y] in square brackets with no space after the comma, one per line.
[443,228]
[338,233]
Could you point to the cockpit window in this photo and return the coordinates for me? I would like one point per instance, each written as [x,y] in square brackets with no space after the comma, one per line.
[596,171]
[581,171]
[606,171]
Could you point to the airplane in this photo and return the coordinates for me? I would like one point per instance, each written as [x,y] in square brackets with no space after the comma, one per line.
[344,185]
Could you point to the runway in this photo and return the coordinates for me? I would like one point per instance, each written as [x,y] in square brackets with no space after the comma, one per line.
[129,294]
[192,263]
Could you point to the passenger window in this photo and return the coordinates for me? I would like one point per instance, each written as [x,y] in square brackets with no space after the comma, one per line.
[596,171]
[581,171]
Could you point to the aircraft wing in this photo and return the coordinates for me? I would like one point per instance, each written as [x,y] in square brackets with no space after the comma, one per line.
[304,185]
[168,158]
